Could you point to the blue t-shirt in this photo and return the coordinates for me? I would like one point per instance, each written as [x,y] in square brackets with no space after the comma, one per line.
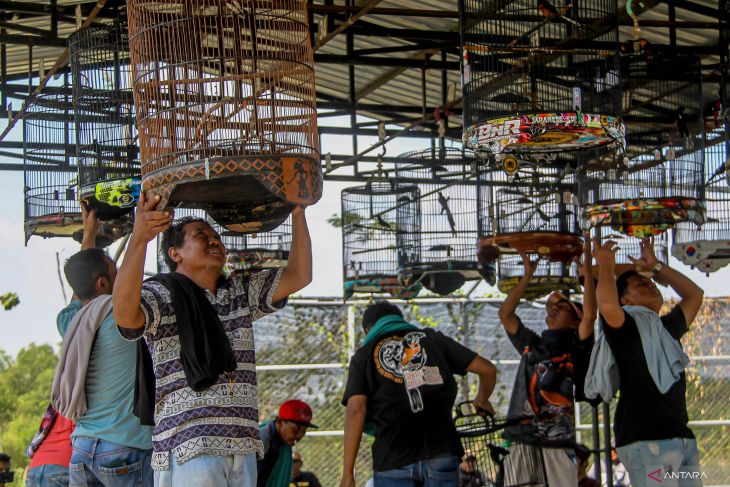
[109,386]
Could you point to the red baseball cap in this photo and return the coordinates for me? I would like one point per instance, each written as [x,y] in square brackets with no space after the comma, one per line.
[296,411]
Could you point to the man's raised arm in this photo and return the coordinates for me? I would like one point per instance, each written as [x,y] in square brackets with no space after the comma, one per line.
[298,271]
[127,293]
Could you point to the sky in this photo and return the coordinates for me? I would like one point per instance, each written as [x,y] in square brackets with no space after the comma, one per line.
[33,273]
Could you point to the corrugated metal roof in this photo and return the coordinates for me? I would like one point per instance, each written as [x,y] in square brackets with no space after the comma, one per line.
[405,88]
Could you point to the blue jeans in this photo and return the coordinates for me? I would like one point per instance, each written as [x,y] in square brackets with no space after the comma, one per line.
[662,463]
[97,463]
[47,476]
[209,470]
[435,472]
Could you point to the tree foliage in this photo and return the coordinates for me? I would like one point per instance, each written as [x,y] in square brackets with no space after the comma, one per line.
[25,390]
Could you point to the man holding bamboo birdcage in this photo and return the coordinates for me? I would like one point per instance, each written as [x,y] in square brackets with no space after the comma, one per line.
[198,325]
[548,382]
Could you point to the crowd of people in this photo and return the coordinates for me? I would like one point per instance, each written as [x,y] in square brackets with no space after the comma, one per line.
[156,382]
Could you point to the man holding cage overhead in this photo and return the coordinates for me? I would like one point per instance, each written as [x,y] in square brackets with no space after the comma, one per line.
[198,325]
[646,356]
[549,380]
[401,389]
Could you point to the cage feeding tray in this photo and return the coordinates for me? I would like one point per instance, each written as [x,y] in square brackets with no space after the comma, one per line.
[705,255]
[539,286]
[381,285]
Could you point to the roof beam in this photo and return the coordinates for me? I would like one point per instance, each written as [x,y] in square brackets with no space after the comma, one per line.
[371,4]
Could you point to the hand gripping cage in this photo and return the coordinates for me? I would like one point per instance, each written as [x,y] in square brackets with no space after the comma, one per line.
[108,158]
[372,217]
[540,76]
[246,253]
[708,248]
[534,213]
[627,247]
[51,206]
[226,113]
[442,250]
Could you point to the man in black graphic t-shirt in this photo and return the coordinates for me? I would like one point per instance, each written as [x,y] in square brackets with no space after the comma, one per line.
[650,425]
[401,383]
[549,380]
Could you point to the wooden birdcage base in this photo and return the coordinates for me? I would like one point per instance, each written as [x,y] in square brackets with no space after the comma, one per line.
[704,255]
[380,285]
[253,260]
[71,225]
[246,194]
[111,198]
[544,133]
[644,217]
[539,286]
[553,246]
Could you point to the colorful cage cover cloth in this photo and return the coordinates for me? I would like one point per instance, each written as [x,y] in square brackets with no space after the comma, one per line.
[531,83]
[108,157]
[442,250]
[226,107]
[373,215]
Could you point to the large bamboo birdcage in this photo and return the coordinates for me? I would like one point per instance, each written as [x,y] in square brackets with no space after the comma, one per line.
[226,107]
[708,248]
[372,218]
[245,253]
[108,157]
[51,206]
[533,213]
[540,77]
[442,251]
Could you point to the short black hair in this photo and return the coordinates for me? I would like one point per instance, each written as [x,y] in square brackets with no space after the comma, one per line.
[174,237]
[376,311]
[83,269]
[622,283]
[4,457]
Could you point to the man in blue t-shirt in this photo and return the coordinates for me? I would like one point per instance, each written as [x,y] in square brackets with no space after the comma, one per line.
[110,447]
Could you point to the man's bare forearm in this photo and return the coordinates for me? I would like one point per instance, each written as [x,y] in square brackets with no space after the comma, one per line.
[691,294]
[298,271]
[128,286]
[354,425]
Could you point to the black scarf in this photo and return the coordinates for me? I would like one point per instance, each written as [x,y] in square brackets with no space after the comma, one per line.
[205,350]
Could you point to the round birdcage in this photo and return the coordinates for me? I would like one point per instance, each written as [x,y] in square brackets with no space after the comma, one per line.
[648,196]
[708,248]
[532,210]
[226,107]
[442,251]
[373,215]
[51,206]
[108,158]
[540,77]
[245,253]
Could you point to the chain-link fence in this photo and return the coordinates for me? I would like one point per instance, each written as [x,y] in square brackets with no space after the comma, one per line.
[302,352]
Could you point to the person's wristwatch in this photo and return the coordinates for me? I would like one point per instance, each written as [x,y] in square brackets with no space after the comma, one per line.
[657,267]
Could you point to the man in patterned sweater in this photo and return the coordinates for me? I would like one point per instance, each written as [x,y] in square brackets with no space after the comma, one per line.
[203,436]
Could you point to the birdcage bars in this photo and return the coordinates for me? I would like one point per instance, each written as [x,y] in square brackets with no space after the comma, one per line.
[531,210]
[226,107]
[540,77]
[51,208]
[372,217]
[245,253]
[549,276]
[708,248]
[107,151]
[448,230]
